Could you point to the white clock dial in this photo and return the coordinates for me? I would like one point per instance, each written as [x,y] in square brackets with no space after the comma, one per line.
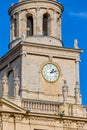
[50,72]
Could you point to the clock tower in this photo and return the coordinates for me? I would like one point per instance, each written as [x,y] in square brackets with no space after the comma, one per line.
[39,76]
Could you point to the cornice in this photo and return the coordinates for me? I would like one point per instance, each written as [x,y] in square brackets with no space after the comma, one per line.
[56,117]
[19,46]
[10,53]
[52,47]
[35,1]
[80,121]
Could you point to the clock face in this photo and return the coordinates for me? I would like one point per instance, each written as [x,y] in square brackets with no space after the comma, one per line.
[50,72]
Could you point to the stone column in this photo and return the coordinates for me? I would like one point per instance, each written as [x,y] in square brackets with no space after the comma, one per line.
[58,29]
[65,92]
[77,88]
[77,70]
[53,22]
[39,22]
[23,25]
[56,20]
[4,85]
[35,23]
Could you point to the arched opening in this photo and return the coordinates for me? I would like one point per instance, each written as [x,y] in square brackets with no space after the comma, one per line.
[15,27]
[46,24]
[15,19]
[29,25]
[11,83]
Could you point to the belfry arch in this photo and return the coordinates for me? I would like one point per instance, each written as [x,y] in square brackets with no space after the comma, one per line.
[29,25]
[46,24]
[11,83]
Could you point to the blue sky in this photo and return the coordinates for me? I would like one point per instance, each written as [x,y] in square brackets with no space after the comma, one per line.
[74,26]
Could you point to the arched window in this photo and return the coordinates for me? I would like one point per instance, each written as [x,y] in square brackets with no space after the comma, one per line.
[46,24]
[29,25]
[15,22]
[11,83]
[15,27]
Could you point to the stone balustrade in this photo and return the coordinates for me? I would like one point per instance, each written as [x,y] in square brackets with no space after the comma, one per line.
[48,107]
[41,106]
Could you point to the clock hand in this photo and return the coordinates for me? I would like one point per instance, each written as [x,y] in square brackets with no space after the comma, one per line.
[53,71]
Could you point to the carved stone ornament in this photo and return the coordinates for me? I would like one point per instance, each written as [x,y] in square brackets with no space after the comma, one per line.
[47,121]
[16,85]
[77,93]
[5,116]
[76,44]
[80,125]
[23,36]
[18,117]
[5,84]
[4,80]
[67,123]
[65,91]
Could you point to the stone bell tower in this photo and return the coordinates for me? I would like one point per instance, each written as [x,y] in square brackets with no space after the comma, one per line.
[39,67]
[39,77]
[32,25]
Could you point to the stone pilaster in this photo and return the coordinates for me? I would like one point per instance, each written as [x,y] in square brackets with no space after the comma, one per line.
[65,92]
[24,92]
[77,94]
[77,70]
[23,89]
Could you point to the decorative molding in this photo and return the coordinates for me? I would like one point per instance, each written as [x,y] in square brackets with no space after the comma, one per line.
[42,121]
[80,125]
[5,116]
[23,54]
[18,117]
[67,123]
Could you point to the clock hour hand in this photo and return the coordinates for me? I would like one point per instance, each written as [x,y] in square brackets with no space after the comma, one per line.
[53,71]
